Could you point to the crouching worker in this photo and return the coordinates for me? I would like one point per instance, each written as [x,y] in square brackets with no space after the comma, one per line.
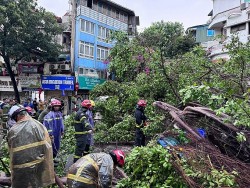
[95,170]
[31,158]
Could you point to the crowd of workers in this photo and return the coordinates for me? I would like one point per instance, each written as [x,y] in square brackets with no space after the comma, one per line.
[34,145]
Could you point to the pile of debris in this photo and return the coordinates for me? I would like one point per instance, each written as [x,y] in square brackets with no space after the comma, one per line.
[213,142]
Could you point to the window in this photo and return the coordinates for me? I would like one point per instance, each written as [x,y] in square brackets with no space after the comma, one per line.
[86,50]
[238,27]
[87,26]
[103,33]
[95,5]
[125,17]
[117,14]
[102,53]
[101,74]
[109,11]
[83,2]
[210,32]
[99,7]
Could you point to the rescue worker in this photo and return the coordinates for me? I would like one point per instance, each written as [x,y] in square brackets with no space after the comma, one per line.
[30,148]
[95,170]
[90,141]
[30,112]
[53,121]
[141,121]
[82,129]
[10,121]
[44,113]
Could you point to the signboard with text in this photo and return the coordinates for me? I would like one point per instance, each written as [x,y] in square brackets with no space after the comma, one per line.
[89,83]
[32,81]
[7,85]
[58,83]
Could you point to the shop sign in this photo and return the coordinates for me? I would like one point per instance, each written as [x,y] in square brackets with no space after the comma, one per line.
[7,85]
[89,83]
[58,83]
[30,82]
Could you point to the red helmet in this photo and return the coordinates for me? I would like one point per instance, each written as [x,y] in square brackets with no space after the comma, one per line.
[142,103]
[55,103]
[120,157]
[86,104]
[29,109]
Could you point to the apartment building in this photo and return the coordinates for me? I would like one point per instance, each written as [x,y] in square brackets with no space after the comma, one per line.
[228,18]
[94,22]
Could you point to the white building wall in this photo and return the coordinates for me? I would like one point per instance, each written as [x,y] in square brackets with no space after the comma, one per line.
[223,5]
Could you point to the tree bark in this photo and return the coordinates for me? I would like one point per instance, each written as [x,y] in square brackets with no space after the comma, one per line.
[12,77]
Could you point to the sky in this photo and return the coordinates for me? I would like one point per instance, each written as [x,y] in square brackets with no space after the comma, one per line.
[189,13]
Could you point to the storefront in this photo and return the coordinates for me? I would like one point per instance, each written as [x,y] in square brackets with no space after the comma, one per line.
[60,87]
[7,90]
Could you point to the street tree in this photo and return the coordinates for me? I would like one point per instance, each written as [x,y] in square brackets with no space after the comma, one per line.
[26,31]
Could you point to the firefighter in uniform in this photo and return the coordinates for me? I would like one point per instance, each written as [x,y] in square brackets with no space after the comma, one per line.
[141,121]
[82,129]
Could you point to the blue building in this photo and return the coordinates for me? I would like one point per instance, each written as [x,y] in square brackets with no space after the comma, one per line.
[94,21]
[201,33]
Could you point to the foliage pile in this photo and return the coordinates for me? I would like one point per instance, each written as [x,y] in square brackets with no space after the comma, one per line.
[154,166]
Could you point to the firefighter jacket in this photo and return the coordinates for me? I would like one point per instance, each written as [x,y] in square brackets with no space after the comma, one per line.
[53,121]
[92,170]
[30,155]
[140,117]
[82,125]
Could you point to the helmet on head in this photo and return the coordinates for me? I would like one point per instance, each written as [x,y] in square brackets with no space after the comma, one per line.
[92,103]
[86,104]
[29,109]
[142,103]
[118,157]
[55,103]
[15,110]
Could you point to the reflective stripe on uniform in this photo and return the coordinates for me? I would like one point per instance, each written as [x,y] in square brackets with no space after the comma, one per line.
[25,165]
[51,119]
[84,132]
[92,162]
[80,179]
[82,119]
[35,144]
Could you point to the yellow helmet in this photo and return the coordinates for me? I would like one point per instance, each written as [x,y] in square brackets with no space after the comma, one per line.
[92,103]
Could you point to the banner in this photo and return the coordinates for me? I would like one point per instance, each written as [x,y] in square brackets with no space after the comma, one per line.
[30,82]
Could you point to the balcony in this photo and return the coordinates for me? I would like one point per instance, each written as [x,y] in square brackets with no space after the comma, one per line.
[85,11]
[219,19]
[217,49]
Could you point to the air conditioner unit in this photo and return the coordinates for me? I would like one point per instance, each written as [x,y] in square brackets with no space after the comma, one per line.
[243,6]
[53,67]
[64,67]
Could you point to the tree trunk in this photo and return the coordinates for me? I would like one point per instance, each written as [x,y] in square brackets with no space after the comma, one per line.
[12,77]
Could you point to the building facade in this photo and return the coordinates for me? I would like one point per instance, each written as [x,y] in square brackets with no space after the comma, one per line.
[201,33]
[228,18]
[94,22]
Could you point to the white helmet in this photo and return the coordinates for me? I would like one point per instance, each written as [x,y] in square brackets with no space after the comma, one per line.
[16,109]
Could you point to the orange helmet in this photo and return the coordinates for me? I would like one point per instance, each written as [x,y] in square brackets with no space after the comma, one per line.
[142,103]
[55,103]
[118,157]
[86,104]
